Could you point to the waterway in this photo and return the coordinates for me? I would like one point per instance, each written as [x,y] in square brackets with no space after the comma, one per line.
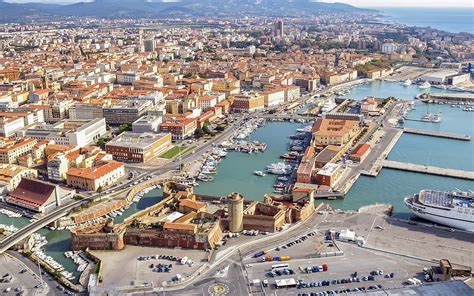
[236,172]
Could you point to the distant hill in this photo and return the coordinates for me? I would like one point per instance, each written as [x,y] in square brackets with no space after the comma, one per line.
[164,8]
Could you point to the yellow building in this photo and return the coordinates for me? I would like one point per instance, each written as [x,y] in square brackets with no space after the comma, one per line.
[11,175]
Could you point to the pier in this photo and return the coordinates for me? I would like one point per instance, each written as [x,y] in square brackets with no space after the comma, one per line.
[437,134]
[418,168]
[450,97]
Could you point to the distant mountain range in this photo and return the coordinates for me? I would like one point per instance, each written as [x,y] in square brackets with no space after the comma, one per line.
[17,12]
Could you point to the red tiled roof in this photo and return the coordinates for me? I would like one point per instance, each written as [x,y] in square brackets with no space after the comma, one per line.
[33,191]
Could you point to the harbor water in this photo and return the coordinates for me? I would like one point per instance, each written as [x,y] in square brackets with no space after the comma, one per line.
[235,173]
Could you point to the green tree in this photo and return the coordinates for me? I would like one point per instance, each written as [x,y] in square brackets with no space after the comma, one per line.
[199,133]
[124,127]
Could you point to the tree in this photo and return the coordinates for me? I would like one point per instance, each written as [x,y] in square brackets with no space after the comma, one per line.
[124,127]
[100,189]
[199,133]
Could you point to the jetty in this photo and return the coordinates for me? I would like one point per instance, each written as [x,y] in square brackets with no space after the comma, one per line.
[439,134]
[418,168]
[449,97]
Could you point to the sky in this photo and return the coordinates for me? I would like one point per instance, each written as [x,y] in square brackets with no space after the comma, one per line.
[358,3]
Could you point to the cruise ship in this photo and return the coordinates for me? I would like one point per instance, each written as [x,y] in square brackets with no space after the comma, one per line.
[455,209]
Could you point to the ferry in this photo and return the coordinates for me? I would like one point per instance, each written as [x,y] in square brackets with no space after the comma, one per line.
[454,209]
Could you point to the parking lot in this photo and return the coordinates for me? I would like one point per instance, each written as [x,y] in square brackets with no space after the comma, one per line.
[340,274]
[146,270]
[14,278]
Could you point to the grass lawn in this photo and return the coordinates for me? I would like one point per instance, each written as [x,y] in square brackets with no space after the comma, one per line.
[176,151]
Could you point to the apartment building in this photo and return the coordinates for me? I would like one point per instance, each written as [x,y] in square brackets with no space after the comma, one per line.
[125,111]
[11,175]
[9,126]
[12,149]
[248,102]
[97,177]
[180,128]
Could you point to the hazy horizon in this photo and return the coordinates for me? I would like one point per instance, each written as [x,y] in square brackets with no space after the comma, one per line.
[357,3]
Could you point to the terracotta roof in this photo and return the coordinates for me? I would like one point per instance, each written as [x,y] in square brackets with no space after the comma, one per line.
[94,172]
[180,226]
[33,191]
[196,205]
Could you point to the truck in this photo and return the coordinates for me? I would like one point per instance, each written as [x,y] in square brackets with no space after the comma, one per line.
[285,258]
[260,253]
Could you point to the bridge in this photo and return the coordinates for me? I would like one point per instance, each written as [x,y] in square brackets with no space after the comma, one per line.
[287,117]
[29,229]
[418,168]
[437,134]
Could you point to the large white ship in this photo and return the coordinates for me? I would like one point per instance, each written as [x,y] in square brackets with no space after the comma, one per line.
[455,209]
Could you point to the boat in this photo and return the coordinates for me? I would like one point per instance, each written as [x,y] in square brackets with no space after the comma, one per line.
[205,178]
[436,118]
[279,168]
[407,82]
[427,117]
[278,190]
[283,178]
[454,209]
[424,85]
[259,173]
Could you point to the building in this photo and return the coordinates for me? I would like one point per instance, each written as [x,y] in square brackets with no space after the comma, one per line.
[263,217]
[329,174]
[125,111]
[58,167]
[39,196]
[368,106]
[273,97]
[235,204]
[12,149]
[336,132]
[278,29]
[147,124]
[389,47]
[86,111]
[360,152]
[439,77]
[11,175]
[149,45]
[248,102]
[97,177]
[138,147]
[68,132]
[9,126]
[180,128]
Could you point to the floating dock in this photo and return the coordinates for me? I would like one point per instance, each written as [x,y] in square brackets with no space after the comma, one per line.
[437,134]
[456,97]
[418,168]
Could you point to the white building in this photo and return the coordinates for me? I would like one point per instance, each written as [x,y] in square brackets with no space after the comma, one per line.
[147,123]
[68,132]
[8,126]
[274,97]
[389,47]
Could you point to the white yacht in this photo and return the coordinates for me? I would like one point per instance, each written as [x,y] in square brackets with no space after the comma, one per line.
[259,173]
[453,209]
[407,82]
[425,85]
